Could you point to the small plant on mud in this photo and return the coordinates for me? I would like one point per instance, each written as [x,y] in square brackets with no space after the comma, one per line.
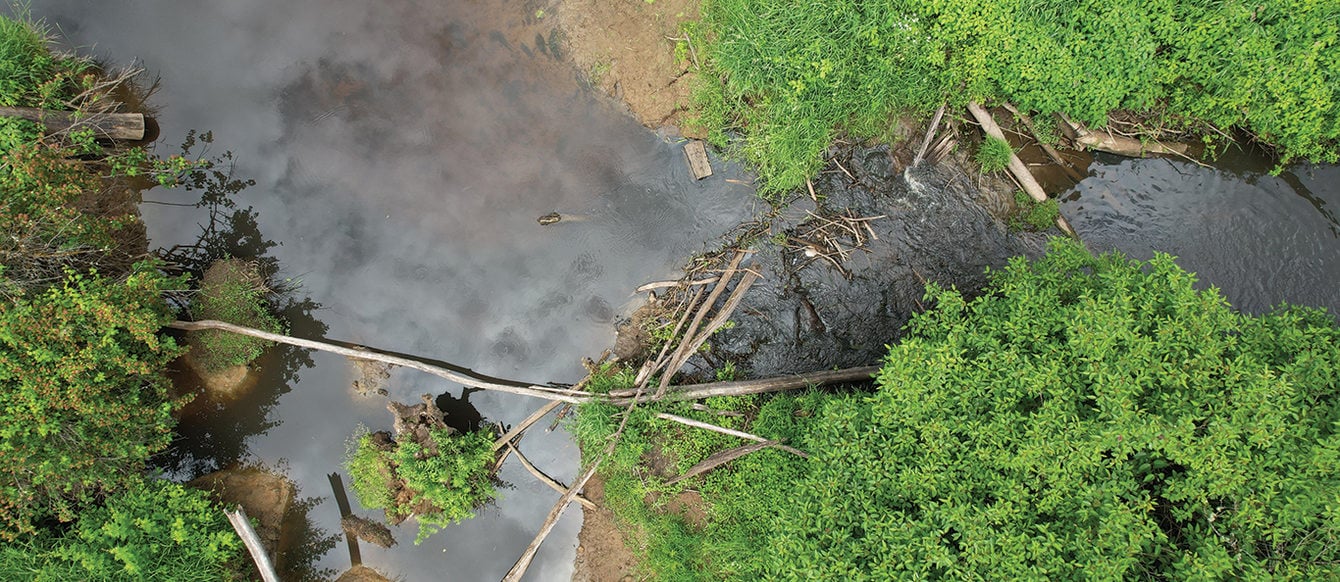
[440,482]
[994,155]
[1032,215]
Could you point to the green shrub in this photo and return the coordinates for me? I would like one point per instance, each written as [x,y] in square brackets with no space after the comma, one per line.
[445,488]
[994,155]
[789,75]
[156,530]
[1087,417]
[84,391]
[1032,215]
[231,291]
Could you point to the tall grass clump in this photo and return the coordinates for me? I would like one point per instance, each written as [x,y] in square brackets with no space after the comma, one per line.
[788,76]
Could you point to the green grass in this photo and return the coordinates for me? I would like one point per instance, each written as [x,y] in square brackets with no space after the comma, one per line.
[993,155]
[1033,215]
[231,291]
[787,77]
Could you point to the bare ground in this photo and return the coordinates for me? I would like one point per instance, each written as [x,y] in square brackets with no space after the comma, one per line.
[624,48]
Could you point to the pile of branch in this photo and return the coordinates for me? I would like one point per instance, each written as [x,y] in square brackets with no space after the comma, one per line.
[834,238]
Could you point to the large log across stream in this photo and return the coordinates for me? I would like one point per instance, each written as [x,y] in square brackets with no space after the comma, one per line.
[117,126]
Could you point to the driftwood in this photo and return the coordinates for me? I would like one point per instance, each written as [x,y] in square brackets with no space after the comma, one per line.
[1017,167]
[546,479]
[930,134]
[720,458]
[118,126]
[667,284]
[242,526]
[534,417]
[651,366]
[682,354]
[1046,148]
[618,398]
[741,387]
[729,431]
[1106,141]
[548,392]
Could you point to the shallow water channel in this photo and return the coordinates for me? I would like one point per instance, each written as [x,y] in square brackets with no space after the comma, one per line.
[402,152]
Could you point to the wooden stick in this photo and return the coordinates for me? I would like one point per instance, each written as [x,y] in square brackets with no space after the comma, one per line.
[243,528]
[547,392]
[122,126]
[690,331]
[720,458]
[651,366]
[727,431]
[666,284]
[687,349]
[523,425]
[546,479]
[1017,167]
[740,387]
[930,134]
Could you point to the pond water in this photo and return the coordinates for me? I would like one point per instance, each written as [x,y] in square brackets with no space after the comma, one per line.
[402,153]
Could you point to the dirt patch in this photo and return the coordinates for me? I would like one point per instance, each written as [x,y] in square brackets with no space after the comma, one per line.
[624,48]
[266,497]
[602,555]
[362,573]
[226,385]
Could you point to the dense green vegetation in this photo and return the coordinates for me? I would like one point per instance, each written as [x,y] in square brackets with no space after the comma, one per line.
[84,399]
[440,487]
[1085,417]
[157,531]
[789,76]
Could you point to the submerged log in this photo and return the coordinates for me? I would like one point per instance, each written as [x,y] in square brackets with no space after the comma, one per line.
[118,126]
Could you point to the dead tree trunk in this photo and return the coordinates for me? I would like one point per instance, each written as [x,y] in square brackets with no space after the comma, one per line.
[1017,167]
[117,126]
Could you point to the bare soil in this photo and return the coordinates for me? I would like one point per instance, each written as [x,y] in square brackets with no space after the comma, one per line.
[266,497]
[624,48]
[602,555]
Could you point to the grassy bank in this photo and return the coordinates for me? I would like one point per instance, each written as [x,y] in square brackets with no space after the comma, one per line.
[1085,417]
[788,77]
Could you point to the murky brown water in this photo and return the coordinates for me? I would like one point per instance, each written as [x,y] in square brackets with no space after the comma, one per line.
[402,152]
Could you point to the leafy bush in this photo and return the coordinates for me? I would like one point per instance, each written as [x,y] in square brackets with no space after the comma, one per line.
[231,291]
[156,530]
[789,76]
[1086,417]
[84,391]
[994,155]
[1032,215]
[442,489]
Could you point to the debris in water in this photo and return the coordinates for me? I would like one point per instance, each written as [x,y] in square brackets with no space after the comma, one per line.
[696,154]
[549,219]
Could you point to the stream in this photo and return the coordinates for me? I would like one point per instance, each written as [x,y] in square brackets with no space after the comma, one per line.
[402,152]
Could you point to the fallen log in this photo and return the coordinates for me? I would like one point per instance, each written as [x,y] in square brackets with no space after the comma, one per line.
[740,387]
[118,126]
[1017,167]
[1046,148]
[546,479]
[242,526]
[548,392]
[1106,141]
[720,458]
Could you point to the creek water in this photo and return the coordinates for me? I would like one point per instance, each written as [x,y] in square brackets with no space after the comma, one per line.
[402,152]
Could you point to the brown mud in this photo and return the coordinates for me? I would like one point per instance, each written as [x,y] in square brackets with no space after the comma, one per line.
[626,49]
